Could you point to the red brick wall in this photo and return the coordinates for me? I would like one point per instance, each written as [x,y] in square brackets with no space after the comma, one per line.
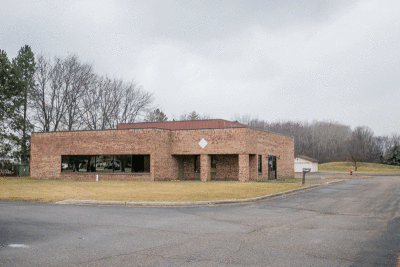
[239,141]
[227,168]
[188,168]
[205,167]
[263,143]
[253,167]
[164,146]
[220,141]
[47,148]
[163,166]
[244,168]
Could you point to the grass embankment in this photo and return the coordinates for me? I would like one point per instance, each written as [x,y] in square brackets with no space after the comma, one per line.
[362,167]
[50,191]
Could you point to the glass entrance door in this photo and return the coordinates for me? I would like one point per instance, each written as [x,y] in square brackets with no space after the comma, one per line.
[272,167]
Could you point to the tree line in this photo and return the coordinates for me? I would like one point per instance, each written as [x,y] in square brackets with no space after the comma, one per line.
[38,93]
[329,141]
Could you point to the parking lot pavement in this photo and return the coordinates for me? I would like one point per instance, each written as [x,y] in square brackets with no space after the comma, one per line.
[350,224]
[325,178]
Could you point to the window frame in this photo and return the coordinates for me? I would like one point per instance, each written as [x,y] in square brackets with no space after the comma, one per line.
[197,164]
[101,163]
[213,163]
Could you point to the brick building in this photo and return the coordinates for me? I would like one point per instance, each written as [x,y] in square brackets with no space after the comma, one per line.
[186,150]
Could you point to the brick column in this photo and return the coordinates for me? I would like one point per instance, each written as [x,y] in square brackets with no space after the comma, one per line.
[205,167]
[265,167]
[253,167]
[244,168]
[153,176]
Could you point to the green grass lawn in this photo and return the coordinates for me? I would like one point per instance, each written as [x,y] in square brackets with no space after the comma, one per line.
[373,168]
[50,191]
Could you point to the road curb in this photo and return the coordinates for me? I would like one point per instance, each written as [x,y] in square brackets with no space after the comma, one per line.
[191,203]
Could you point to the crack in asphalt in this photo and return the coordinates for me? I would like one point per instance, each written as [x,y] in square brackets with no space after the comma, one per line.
[328,213]
[214,219]
[335,258]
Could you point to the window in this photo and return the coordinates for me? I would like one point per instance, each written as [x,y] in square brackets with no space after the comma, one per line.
[259,163]
[197,164]
[124,162]
[140,163]
[78,163]
[105,163]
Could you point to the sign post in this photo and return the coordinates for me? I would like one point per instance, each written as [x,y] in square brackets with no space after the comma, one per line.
[305,170]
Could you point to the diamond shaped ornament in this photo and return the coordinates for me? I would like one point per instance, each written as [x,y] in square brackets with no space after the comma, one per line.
[203,143]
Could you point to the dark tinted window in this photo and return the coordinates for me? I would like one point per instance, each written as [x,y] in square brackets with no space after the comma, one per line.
[105,163]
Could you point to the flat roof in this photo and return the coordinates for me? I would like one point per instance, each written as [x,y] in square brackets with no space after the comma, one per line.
[307,158]
[184,125]
[178,125]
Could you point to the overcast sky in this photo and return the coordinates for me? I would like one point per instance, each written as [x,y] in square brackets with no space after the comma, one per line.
[276,60]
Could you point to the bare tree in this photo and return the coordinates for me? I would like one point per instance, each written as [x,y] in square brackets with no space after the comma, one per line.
[92,108]
[361,145]
[382,144]
[56,97]
[58,93]
[109,102]
[395,139]
[243,119]
[69,96]
[134,101]
[77,79]
[327,141]
[45,97]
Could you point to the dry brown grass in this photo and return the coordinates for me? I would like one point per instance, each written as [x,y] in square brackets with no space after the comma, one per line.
[362,167]
[50,191]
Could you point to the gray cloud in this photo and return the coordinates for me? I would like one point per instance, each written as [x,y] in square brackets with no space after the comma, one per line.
[278,60]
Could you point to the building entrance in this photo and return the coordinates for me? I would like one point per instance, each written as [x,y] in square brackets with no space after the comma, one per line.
[272,167]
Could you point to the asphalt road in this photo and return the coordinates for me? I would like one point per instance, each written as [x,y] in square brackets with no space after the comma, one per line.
[351,224]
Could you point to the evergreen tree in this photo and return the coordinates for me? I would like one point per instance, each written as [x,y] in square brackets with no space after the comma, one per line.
[23,69]
[394,156]
[156,116]
[9,84]
[5,76]
[24,64]
[194,116]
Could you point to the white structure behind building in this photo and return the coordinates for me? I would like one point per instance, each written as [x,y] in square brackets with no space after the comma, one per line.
[301,162]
